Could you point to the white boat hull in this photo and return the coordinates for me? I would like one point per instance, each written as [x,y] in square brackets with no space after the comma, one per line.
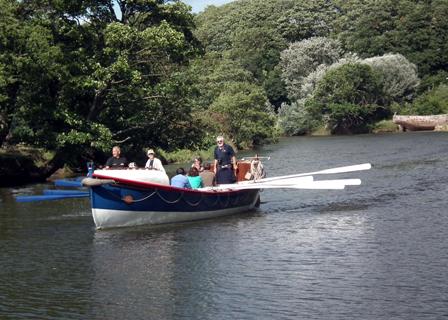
[107,218]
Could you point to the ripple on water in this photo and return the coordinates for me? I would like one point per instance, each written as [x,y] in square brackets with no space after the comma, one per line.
[375,251]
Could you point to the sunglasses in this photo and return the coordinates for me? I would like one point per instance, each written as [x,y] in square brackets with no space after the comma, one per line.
[219,141]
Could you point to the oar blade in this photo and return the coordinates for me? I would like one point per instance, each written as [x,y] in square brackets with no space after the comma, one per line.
[356,167]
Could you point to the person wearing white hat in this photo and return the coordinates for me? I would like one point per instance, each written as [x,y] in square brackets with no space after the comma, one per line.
[153,163]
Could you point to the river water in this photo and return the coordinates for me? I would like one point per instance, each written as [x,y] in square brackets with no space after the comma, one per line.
[375,251]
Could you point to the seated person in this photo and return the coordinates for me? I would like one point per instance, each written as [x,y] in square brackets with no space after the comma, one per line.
[180,180]
[153,163]
[256,169]
[197,163]
[207,175]
[194,178]
[116,161]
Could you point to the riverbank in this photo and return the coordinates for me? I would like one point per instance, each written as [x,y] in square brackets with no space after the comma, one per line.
[21,165]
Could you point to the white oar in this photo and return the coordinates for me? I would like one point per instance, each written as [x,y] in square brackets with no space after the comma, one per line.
[321,184]
[282,181]
[306,185]
[357,167]
[251,158]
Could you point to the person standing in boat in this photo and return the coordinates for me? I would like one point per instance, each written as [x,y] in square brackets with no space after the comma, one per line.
[225,162]
[153,163]
[116,161]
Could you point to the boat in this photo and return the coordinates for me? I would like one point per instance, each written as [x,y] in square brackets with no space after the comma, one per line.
[121,198]
[132,197]
[417,123]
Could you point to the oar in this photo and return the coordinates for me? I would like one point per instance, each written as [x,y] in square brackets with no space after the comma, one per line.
[309,185]
[64,192]
[68,183]
[293,181]
[251,158]
[282,181]
[357,167]
[321,184]
[49,197]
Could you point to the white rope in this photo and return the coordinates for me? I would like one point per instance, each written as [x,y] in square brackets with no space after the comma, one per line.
[167,201]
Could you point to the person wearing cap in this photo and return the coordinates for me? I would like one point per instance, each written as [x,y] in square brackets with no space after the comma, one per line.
[153,163]
[225,162]
[116,161]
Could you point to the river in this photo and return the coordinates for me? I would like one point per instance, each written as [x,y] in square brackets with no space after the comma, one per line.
[375,251]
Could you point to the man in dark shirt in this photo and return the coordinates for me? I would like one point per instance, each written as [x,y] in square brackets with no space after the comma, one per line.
[225,162]
[116,161]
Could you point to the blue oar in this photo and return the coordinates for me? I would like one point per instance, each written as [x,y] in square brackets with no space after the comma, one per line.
[64,192]
[49,197]
[68,183]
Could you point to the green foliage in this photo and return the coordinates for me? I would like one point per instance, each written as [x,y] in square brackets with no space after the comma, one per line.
[352,83]
[384,126]
[224,99]
[108,80]
[348,117]
[347,97]
[187,155]
[304,57]
[431,81]
[416,29]
[398,76]
[240,113]
[434,101]
[247,32]
[297,118]
[307,19]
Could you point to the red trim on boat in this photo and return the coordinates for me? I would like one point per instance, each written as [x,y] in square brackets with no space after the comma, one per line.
[162,186]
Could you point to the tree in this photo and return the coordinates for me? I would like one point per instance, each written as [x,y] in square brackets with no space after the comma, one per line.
[307,19]
[227,101]
[297,119]
[416,29]
[398,76]
[304,57]
[240,112]
[87,76]
[347,95]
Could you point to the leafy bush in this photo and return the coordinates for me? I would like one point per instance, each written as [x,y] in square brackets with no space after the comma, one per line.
[347,97]
[242,113]
[303,58]
[348,117]
[432,102]
[352,83]
[296,119]
[398,76]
